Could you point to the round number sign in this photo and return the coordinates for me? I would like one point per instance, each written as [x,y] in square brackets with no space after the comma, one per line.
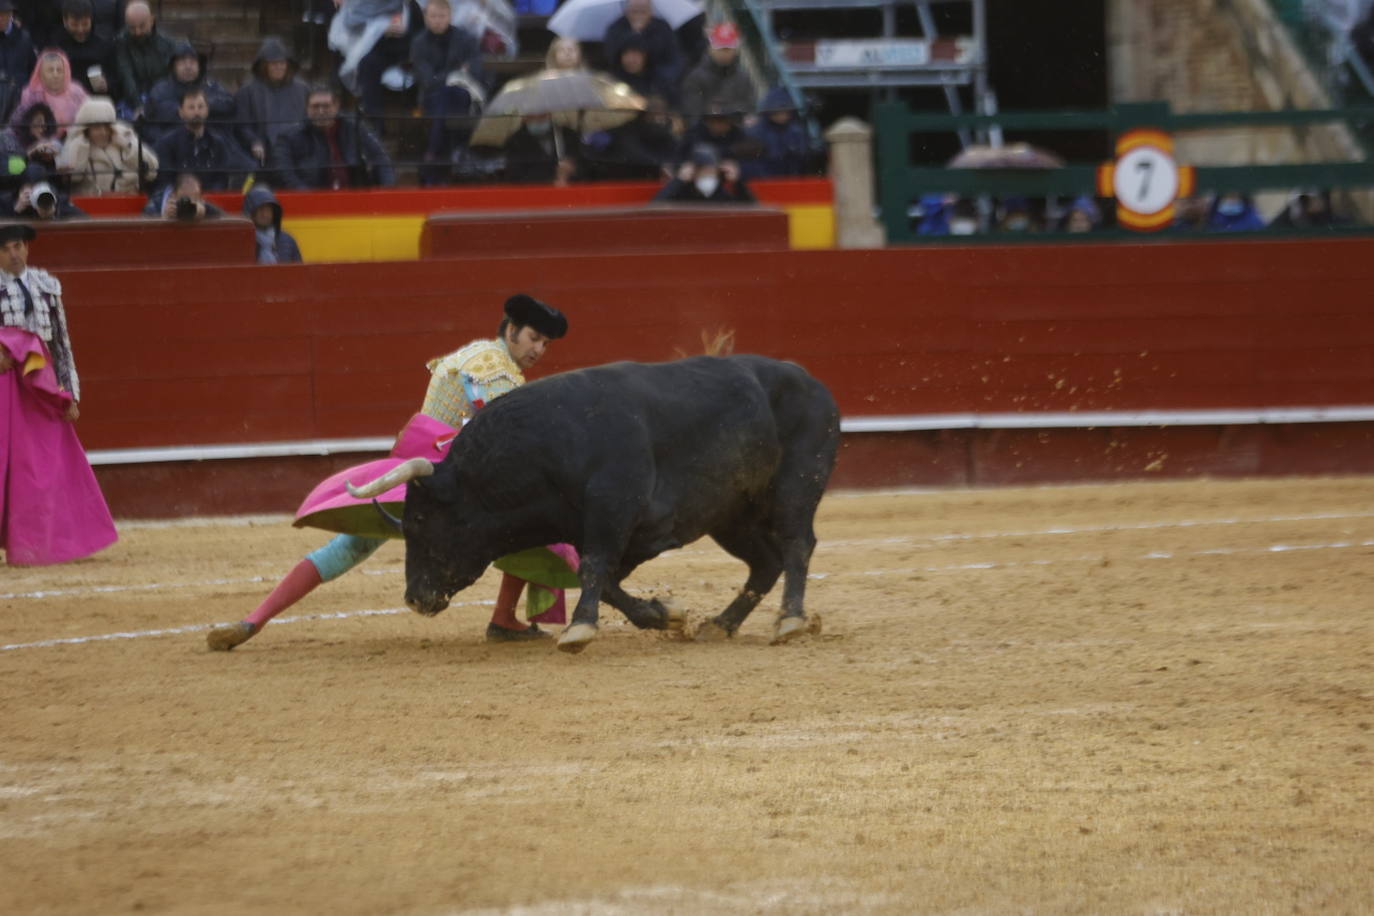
[1145,180]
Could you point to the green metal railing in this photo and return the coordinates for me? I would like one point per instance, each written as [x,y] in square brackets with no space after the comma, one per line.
[900,181]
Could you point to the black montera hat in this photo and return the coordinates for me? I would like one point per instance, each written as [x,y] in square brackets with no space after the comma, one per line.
[529,312]
[17,232]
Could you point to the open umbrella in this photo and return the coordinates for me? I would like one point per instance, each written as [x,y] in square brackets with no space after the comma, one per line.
[1011,156]
[579,99]
[586,20]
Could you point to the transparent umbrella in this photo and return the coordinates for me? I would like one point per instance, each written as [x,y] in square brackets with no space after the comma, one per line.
[586,20]
[579,99]
[1011,156]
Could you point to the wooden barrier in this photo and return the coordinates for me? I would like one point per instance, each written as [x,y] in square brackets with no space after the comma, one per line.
[243,355]
[87,243]
[625,230]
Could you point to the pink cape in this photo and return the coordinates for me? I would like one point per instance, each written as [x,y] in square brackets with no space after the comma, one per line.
[51,508]
[329,506]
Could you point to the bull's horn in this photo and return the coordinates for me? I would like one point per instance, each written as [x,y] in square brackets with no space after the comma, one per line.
[415,467]
[391,520]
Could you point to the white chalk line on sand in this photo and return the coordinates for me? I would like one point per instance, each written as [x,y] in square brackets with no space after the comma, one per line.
[957,567]
[199,627]
[841,542]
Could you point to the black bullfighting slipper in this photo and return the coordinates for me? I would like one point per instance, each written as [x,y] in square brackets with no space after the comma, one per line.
[222,639]
[505,634]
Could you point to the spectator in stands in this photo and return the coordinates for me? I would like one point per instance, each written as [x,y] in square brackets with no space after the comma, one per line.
[720,130]
[91,57]
[932,212]
[37,199]
[272,102]
[1190,213]
[42,19]
[719,79]
[196,146]
[1308,209]
[784,146]
[183,199]
[107,18]
[17,59]
[543,152]
[1233,211]
[705,178]
[103,155]
[142,56]
[643,148]
[632,68]
[275,246]
[1083,216]
[447,63]
[374,36]
[37,135]
[535,7]
[564,54]
[329,150]
[1017,217]
[186,72]
[663,66]
[51,85]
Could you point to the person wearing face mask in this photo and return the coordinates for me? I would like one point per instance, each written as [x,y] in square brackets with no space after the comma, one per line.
[1233,212]
[1017,217]
[704,178]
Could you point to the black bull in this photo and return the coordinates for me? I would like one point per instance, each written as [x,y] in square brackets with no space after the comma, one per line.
[625,461]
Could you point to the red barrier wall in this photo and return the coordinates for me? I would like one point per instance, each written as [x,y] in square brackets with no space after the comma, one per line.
[215,355]
[657,228]
[86,243]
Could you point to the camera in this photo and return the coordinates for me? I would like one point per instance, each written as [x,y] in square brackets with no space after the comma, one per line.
[43,195]
[186,208]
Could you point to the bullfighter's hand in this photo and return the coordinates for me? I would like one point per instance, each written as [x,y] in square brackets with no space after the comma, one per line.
[6,361]
[73,411]
[729,170]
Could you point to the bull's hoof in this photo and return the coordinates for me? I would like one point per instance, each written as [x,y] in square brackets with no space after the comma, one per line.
[576,637]
[674,617]
[710,631]
[222,639]
[789,628]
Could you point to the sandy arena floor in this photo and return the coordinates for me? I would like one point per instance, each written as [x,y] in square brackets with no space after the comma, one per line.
[1103,699]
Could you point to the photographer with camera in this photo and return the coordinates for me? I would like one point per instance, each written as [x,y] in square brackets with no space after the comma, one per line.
[182,200]
[37,199]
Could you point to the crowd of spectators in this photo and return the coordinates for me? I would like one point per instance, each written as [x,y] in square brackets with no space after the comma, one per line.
[98,99]
[1232,211]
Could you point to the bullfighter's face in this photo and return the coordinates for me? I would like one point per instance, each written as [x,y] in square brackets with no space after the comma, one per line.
[526,346]
[442,552]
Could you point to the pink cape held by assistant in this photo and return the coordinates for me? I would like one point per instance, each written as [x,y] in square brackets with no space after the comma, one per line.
[51,508]
[330,506]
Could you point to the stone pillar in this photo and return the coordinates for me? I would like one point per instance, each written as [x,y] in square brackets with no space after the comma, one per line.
[851,172]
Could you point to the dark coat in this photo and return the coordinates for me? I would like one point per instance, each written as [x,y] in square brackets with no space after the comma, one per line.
[532,160]
[284,249]
[266,110]
[433,57]
[140,63]
[93,52]
[17,59]
[42,20]
[158,199]
[709,84]
[662,54]
[301,159]
[686,192]
[214,157]
[653,456]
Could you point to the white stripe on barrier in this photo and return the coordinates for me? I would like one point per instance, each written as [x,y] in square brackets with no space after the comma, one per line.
[880,424]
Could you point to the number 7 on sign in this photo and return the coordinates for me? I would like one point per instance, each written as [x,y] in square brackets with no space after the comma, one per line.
[1145,179]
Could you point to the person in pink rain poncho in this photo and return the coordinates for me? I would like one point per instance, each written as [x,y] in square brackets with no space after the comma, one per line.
[52,85]
[51,508]
[461,383]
